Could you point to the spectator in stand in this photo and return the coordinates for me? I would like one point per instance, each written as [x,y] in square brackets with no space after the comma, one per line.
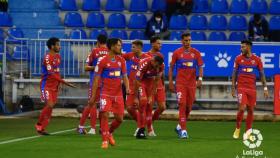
[258,28]
[3,5]
[178,7]
[157,26]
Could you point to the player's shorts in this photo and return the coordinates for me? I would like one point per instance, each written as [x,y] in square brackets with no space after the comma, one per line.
[97,94]
[160,96]
[113,104]
[185,95]
[144,91]
[49,95]
[246,97]
[130,100]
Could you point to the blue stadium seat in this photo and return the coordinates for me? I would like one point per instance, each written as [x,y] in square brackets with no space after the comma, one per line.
[119,34]
[91,5]
[198,36]
[14,33]
[78,34]
[68,5]
[20,53]
[175,35]
[198,22]
[158,5]
[218,22]
[219,6]
[237,36]
[95,20]
[114,5]
[94,33]
[200,6]
[137,21]
[274,23]
[137,34]
[258,6]
[59,33]
[6,20]
[217,36]
[73,19]
[178,22]
[239,7]
[116,20]
[238,23]
[274,7]
[138,6]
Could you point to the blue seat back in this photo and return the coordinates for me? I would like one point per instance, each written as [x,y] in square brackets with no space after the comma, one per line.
[116,20]
[238,22]
[274,23]
[274,7]
[237,36]
[258,6]
[158,5]
[201,6]
[137,21]
[218,22]
[6,20]
[198,36]
[78,34]
[239,7]
[219,6]
[138,6]
[217,36]
[68,5]
[94,33]
[119,34]
[198,22]
[137,34]
[178,22]
[73,19]
[114,5]
[95,20]
[91,5]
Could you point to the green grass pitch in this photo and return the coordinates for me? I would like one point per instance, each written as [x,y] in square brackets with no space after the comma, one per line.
[208,139]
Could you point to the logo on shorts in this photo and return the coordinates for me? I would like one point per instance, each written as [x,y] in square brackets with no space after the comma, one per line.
[252,138]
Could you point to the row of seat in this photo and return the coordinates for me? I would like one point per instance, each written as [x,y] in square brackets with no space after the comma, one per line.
[113,5]
[200,6]
[139,21]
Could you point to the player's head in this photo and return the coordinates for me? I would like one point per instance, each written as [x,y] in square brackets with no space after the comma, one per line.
[101,39]
[157,61]
[53,44]
[156,43]
[186,39]
[246,46]
[115,45]
[137,46]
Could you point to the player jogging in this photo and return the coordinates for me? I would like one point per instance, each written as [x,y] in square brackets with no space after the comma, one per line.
[246,66]
[187,61]
[91,61]
[49,85]
[110,69]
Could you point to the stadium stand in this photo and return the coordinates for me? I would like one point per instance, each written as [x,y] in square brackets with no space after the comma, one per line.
[198,36]
[218,22]
[78,34]
[201,6]
[158,5]
[239,7]
[219,6]
[175,35]
[95,20]
[198,22]
[95,33]
[114,5]
[68,5]
[237,36]
[73,19]
[138,6]
[14,33]
[259,6]
[274,7]
[116,20]
[238,23]
[122,34]
[137,34]
[90,5]
[6,20]
[217,36]
[137,21]
[178,22]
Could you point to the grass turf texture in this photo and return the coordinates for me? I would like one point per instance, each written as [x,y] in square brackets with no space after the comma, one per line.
[207,139]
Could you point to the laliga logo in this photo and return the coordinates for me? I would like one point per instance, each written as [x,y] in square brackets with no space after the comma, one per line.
[252,138]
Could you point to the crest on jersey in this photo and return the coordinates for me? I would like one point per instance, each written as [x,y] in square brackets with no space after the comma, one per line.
[119,63]
[192,55]
[253,61]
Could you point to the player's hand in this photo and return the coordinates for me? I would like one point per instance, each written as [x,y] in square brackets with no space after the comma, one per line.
[127,91]
[91,100]
[172,87]
[265,92]
[198,84]
[233,92]
[136,101]
[150,99]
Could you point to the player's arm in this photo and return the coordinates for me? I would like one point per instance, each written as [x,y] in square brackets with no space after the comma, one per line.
[233,81]
[170,73]
[94,88]
[89,66]
[200,69]
[263,80]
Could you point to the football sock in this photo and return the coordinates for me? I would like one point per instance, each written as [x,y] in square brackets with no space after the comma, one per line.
[250,117]
[85,115]
[182,116]
[93,117]
[239,118]
[114,125]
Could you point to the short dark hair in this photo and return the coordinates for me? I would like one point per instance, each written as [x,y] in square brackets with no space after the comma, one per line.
[102,39]
[52,41]
[112,41]
[138,43]
[185,34]
[153,39]
[158,14]
[159,59]
[248,42]
[257,17]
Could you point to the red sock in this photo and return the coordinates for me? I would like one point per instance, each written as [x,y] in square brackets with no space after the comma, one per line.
[157,113]
[85,115]
[47,118]
[114,125]
[239,118]
[250,117]
[43,114]
[182,116]
[104,127]
[188,111]
[138,119]
[93,115]
[149,113]
[142,113]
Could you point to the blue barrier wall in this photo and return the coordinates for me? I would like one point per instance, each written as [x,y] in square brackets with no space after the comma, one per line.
[219,58]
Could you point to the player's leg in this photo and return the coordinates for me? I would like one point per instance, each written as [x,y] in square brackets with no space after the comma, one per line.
[242,101]
[181,99]
[161,98]
[149,115]
[131,108]
[50,98]
[105,106]
[142,112]
[252,97]
[93,113]
[81,128]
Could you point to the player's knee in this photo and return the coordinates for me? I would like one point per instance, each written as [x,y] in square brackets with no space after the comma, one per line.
[162,107]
